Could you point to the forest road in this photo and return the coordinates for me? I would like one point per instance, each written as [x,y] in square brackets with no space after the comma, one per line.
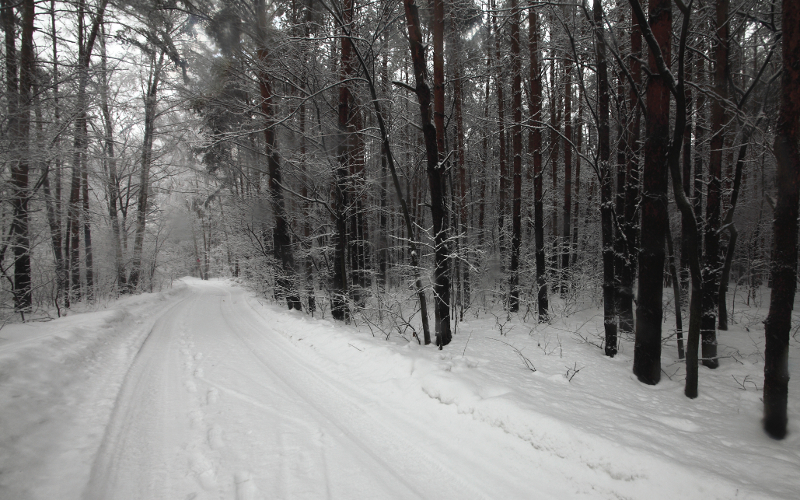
[219,404]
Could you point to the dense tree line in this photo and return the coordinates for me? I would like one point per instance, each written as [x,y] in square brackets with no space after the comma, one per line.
[361,159]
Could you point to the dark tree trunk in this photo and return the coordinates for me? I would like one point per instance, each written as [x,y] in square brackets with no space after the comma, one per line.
[535,145]
[150,109]
[621,253]
[112,185]
[649,312]
[19,108]
[687,179]
[566,232]
[631,227]
[502,208]
[676,293]
[87,226]
[57,234]
[80,145]
[555,140]
[733,233]
[711,259]
[606,183]
[784,240]
[441,285]
[339,307]
[281,240]
[516,89]
[458,99]
[699,138]
[577,209]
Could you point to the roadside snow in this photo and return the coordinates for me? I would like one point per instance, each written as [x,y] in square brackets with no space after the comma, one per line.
[208,392]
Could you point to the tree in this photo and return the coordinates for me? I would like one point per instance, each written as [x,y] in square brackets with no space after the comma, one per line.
[516,97]
[436,181]
[649,312]
[535,148]
[784,227]
[606,181]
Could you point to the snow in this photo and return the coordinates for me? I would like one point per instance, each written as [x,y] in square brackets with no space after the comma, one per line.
[206,391]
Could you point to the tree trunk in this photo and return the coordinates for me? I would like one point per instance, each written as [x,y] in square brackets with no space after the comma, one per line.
[499,79]
[112,184]
[687,178]
[555,134]
[516,90]
[281,240]
[649,312]
[413,253]
[714,196]
[458,99]
[441,286]
[676,293]
[535,145]
[80,144]
[621,249]
[339,307]
[628,275]
[150,109]
[19,108]
[566,232]
[784,240]
[606,182]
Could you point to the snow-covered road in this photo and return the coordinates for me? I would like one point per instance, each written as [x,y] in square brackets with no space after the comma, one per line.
[203,392]
[216,405]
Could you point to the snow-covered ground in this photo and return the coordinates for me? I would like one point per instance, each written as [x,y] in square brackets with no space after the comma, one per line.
[205,391]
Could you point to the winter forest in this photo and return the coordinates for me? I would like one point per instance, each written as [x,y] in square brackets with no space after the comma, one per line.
[406,167]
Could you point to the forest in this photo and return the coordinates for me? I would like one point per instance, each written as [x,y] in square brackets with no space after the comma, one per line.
[407,165]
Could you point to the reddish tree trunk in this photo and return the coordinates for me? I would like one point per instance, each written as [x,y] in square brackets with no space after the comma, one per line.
[649,312]
[535,145]
[516,89]
[441,285]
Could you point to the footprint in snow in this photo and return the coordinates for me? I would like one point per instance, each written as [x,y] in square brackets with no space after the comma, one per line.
[198,356]
[196,417]
[215,437]
[191,386]
[204,471]
[212,396]
[245,486]
[198,373]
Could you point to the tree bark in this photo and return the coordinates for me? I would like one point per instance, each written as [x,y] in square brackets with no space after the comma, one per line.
[711,262]
[150,108]
[281,240]
[784,240]
[535,145]
[499,79]
[649,311]
[566,231]
[632,198]
[85,47]
[19,108]
[112,185]
[606,182]
[435,170]
[516,90]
